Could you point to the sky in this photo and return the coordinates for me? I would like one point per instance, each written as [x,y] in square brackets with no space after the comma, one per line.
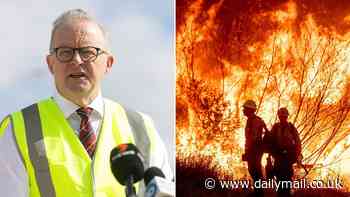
[142,40]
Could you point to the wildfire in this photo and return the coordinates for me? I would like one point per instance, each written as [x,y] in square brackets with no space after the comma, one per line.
[278,57]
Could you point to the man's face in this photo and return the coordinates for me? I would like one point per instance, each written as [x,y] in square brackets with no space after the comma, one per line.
[248,111]
[76,77]
[283,117]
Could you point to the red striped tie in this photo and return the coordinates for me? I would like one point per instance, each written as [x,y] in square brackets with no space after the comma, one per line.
[86,134]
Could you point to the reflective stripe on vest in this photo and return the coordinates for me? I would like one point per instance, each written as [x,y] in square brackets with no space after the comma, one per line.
[139,131]
[37,156]
[142,141]
[34,152]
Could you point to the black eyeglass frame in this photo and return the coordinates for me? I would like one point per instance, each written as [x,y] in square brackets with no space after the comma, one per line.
[99,51]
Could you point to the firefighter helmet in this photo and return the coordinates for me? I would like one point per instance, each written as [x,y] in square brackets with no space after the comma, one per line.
[249,104]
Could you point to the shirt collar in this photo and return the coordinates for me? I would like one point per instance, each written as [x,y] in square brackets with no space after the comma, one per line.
[68,107]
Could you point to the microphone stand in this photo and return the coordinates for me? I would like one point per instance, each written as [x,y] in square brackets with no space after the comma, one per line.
[130,189]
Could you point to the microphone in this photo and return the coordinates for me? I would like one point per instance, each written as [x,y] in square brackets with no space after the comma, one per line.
[127,166]
[157,185]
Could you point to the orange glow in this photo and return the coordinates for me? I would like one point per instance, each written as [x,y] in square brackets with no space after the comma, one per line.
[277,58]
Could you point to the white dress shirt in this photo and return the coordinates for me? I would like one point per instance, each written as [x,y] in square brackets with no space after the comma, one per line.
[13,175]
[69,110]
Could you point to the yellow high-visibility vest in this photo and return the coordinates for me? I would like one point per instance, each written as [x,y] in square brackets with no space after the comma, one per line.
[57,163]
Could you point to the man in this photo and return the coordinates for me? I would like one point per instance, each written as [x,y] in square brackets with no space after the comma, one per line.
[61,146]
[253,144]
[285,147]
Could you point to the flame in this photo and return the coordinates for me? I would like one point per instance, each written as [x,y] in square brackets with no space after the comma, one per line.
[277,57]
[285,16]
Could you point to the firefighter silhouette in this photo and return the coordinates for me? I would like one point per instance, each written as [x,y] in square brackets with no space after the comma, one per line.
[283,144]
[253,143]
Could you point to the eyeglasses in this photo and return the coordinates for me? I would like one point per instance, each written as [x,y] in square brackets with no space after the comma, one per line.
[87,54]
